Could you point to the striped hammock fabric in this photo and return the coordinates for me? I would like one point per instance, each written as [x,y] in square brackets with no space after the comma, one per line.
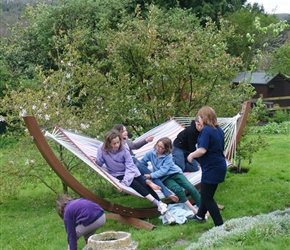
[85,147]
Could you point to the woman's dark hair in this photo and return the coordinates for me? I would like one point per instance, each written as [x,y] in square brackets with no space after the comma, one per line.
[119,127]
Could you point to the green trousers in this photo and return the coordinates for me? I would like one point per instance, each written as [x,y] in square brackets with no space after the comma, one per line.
[178,183]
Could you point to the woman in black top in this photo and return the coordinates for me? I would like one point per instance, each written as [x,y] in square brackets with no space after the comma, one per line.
[183,145]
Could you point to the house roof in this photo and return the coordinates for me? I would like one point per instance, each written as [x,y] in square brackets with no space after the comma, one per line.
[255,77]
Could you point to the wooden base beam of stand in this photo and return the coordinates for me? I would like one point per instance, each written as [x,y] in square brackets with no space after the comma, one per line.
[131,221]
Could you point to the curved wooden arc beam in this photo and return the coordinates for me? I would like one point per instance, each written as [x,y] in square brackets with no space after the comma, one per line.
[240,127]
[127,215]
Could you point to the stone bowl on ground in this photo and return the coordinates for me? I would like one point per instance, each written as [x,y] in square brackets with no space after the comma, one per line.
[111,240]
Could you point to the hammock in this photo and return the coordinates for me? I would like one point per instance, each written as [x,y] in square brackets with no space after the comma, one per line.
[86,148]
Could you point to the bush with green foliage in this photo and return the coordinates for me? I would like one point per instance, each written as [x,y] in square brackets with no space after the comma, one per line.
[245,230]
[272,128]
[281,116]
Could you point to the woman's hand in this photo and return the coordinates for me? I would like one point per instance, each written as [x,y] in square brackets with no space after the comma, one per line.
[150,138]
[93,158]
[123,184]
[196,154]
[148,176]
[190,157]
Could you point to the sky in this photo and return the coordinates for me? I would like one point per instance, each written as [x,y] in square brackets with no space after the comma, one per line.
[274,6]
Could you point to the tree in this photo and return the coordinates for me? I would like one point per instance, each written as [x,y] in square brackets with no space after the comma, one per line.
[281,60]
[202,8]
[34,41]
[171,68]
[244,22]
[58,100]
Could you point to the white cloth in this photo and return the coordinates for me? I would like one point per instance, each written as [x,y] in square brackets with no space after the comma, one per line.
[179,211]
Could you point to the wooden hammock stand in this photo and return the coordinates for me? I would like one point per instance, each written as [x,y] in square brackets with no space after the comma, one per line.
[127,215]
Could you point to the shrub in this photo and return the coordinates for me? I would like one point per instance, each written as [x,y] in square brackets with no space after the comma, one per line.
[266,226]
[281,116]
[272,128]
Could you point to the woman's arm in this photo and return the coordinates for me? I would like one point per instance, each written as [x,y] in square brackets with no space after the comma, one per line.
[136,145]
[99,157]
[71,232]
[196,154]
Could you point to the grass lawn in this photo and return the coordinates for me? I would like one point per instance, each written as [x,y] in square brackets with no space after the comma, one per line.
[29,220]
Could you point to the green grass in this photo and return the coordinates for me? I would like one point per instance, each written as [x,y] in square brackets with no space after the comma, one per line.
[29,220]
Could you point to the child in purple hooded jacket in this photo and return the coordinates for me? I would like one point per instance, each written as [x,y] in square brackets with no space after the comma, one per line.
[81,217]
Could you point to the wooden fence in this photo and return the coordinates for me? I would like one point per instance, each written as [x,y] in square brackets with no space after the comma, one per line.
[268,102]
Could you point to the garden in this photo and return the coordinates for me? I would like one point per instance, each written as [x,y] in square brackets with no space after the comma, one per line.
[256,210]
[138,64]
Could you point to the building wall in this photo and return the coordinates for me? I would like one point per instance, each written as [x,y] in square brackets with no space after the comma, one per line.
[277,87]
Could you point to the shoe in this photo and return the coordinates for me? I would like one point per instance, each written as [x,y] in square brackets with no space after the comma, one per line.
[162,207]
[198,219]
[169,217]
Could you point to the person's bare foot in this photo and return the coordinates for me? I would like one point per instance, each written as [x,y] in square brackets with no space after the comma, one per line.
[152,185]
[174,198]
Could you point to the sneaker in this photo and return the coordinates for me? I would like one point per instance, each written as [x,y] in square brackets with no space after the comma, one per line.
[169,217]
[198,219]
[162,207]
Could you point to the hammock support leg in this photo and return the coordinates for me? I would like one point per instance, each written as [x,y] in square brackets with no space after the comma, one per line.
[135,222]
[240,127]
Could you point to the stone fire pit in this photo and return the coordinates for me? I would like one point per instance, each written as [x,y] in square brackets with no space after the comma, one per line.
[111,240]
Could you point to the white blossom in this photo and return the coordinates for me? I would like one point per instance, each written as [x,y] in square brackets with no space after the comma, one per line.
[33,107]
[22,112]
[2,119]
[47,117]
[67,75]
[45,105]
[69,64]
[85,126]
[68,98]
